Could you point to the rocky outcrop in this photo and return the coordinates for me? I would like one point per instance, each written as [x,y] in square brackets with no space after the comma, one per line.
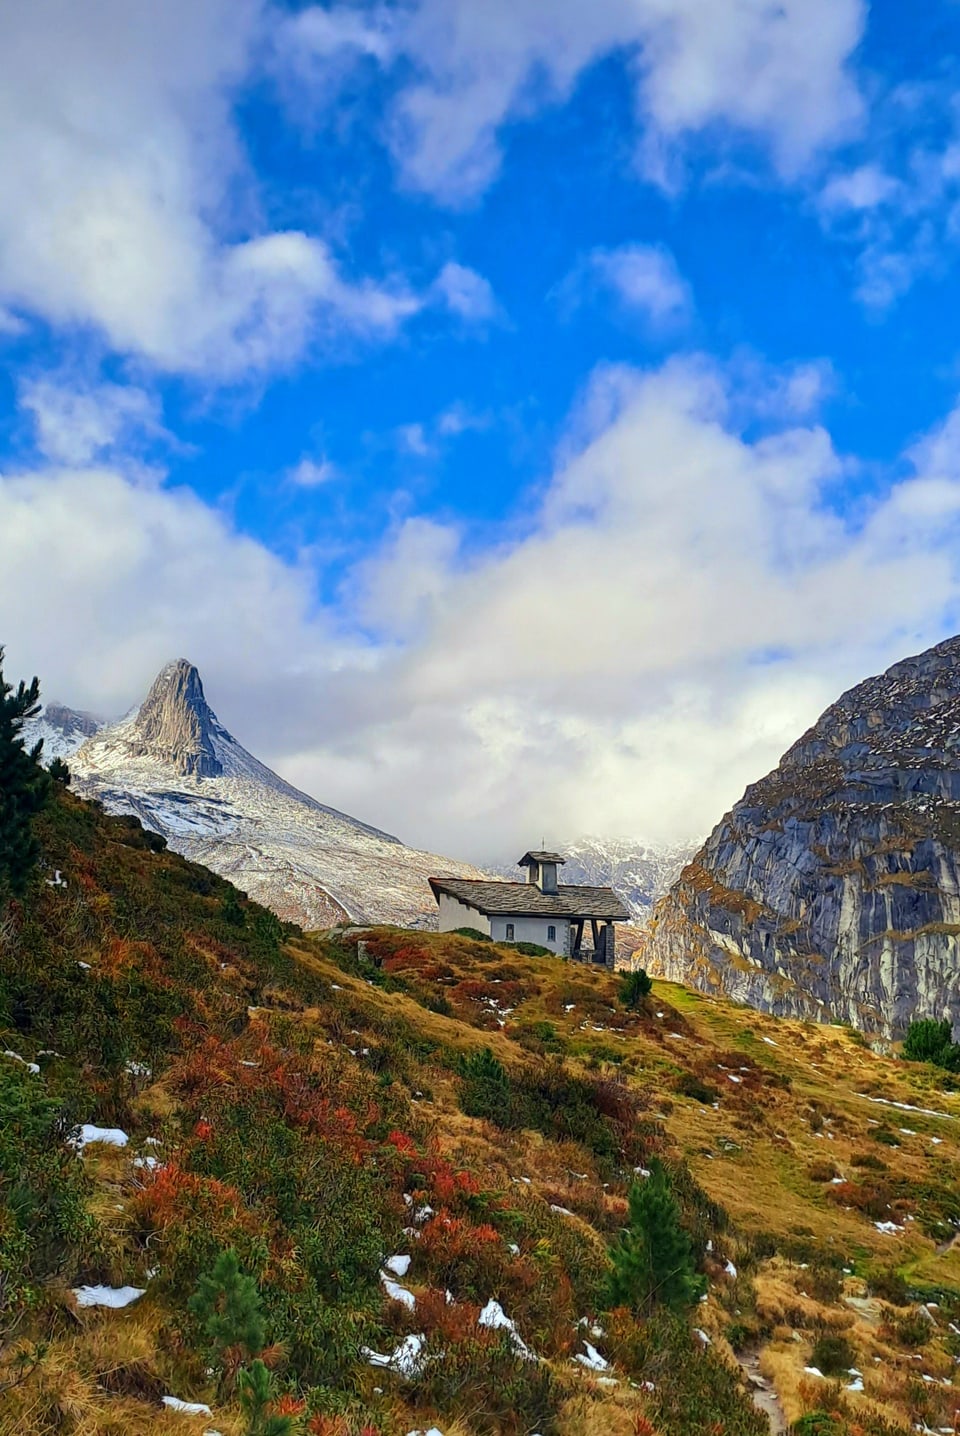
[173,764]
[175,724]
[832,889]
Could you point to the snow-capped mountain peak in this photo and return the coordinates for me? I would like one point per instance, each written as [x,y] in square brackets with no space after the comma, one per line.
[172,763]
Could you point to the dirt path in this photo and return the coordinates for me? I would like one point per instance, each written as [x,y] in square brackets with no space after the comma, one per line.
[765,1399]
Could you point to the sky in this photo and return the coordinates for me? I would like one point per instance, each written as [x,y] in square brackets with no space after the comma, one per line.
[528,415]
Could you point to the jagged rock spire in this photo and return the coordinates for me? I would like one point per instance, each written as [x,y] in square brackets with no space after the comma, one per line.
[176,723]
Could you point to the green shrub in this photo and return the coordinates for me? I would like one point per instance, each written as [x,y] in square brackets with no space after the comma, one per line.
[255,1388]
[227,1306]
[532,949]
[833,1354]
[45,1230]
[887,1283]
[694,1390]
[653,1262]
[819,1423]
[930,1041]
[473,933]
[483,1378]
[635,988]
[485,1088]
[688,1084]
[913,1329]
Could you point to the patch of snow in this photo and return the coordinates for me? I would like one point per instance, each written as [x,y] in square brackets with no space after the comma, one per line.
[814,1371]
[405,1358]
[187,1408]
[150,1163]
[642,1171]
[30,1066]
[769,1041]
[138,1069]
[890,1228]
[397,1292]
[592,1359]
[564,1212]
[730,1269]
[732,1077]
[84,965]
[494,1317]
[702,1335]
[906,1107]
[399,1265]
[110,1136]
[113,1296]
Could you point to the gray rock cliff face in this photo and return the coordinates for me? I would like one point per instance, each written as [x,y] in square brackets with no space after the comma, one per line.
[832,889]
[176,724]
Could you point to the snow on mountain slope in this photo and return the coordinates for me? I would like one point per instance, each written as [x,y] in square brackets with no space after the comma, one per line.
[639,873]
[62,729]
[177,768]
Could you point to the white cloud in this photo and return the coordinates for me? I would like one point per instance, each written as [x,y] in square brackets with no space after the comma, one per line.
[865,187]
[643,277]
[125,191]
[77,422]
[312,473]
[778,73]
[465,292]
[647,636]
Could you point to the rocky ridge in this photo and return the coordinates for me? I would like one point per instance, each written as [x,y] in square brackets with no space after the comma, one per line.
[173,764]
[832,888]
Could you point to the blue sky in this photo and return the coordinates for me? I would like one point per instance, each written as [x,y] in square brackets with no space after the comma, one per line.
[525,413]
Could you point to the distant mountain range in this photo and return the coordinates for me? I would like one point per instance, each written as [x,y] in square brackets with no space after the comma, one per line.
[173,764]
[832,889]
[639,872]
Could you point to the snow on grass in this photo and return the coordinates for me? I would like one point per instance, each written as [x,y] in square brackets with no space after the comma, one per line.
[110,1136]
[396,1292]
[906,1107]
[30,1066]
[592,1359]
[399,1265]
[112,1296]
[186,1408]
[563,1211]
[405,1359]
[890,1228]
[494,1317]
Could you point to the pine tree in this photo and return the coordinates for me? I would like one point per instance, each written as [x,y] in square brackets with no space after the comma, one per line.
[227,1305]
[635,987]
[255,1390]
[24,786]
[653,1261]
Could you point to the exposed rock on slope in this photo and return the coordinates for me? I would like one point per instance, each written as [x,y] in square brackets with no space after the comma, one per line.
[63,730]
[173,764]
[832,889]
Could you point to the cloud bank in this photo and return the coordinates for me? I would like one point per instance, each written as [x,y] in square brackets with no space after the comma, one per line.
[649,633]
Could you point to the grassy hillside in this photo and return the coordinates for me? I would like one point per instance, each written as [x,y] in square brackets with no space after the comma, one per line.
[317,1106]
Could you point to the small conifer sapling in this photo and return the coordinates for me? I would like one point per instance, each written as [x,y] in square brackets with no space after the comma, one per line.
[653,1263]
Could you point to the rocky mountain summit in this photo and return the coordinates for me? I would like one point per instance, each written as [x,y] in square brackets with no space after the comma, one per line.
[173,764]
[63,730]
[832,888]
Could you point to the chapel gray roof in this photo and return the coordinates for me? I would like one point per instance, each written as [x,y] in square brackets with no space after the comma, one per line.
[526,899]
[541,858]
